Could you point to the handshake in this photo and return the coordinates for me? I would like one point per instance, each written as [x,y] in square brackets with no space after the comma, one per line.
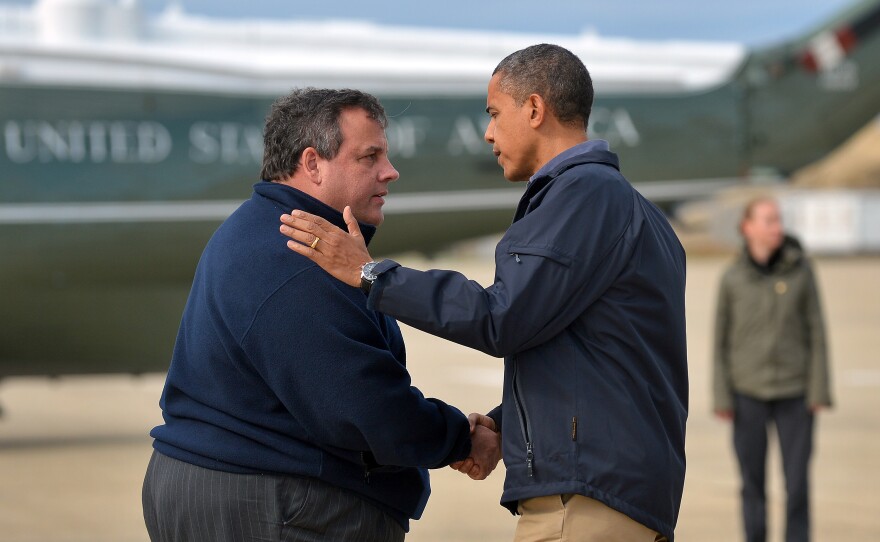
[485,448]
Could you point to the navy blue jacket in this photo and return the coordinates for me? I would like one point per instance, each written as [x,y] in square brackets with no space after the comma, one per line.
[280,368]
[587,309]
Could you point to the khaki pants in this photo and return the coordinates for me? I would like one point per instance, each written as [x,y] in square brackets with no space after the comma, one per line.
[575,518]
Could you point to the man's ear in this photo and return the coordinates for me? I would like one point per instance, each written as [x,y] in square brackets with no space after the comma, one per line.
[744,228]
[537,110]
[309,161]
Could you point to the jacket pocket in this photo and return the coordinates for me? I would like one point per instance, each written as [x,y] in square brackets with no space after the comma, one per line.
[293,496]
[524,422]
[545,252]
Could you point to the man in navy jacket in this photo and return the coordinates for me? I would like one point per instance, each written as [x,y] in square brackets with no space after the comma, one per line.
[587,309]
[289,413]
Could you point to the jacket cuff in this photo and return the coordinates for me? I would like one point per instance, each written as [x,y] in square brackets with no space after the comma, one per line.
[495,414]
[723,402]
[822,399]
[381,271]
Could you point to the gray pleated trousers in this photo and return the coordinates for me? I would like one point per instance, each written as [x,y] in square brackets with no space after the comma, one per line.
[187,503]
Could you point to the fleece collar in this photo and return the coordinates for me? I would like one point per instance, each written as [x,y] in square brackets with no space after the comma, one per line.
[287,199]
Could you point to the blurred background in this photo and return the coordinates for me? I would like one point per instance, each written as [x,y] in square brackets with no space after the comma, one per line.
[129,130]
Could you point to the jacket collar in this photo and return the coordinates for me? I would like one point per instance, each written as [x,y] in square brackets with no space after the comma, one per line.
[543,177]
[286,199]
[787,256]
[577,150]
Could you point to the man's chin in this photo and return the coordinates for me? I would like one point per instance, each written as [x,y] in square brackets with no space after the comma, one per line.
[516,176]
[372,215]
[374,220]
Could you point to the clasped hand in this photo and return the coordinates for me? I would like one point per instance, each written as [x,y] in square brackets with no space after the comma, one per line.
[485,448]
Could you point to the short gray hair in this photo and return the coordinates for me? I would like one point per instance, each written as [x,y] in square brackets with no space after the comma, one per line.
[309,117]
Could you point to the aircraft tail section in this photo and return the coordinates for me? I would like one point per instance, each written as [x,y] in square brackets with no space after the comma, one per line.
[828,47]
[803,98]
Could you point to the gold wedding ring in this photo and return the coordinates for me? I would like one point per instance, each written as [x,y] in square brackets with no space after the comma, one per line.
[314,243]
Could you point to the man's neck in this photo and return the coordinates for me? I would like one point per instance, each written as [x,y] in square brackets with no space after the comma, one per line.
[559,145]
[760,254]
[301,183]
[553,146]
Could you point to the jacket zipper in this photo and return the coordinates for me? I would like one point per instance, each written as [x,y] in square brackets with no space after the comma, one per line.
[524,423]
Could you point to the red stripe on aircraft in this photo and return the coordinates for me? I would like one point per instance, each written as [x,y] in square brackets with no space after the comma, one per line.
[808,61]
[847,38]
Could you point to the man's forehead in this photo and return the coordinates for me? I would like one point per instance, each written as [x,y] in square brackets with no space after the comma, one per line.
[766,210]
[357,117]
[495,94]
[362,131]
[766,206]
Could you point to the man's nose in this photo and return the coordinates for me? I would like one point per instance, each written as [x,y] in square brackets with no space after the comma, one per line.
[389,174]
[489,136]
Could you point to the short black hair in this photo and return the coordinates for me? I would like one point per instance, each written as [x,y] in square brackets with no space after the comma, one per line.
[309,117]
[554,73]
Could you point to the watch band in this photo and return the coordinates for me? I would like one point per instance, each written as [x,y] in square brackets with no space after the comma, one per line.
[367,277]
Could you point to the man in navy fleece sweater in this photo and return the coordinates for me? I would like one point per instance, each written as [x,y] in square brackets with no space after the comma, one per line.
[289,413]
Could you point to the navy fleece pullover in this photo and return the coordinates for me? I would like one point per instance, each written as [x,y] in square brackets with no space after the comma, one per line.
[280,368]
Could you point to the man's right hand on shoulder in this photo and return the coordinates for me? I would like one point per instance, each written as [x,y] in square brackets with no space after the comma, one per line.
[342,254]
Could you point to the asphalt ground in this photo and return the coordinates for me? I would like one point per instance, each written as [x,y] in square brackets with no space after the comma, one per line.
[73,450]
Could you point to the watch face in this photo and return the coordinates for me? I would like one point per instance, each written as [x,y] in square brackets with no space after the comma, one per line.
[367,271]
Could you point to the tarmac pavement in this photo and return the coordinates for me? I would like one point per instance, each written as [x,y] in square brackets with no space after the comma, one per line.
[73,450]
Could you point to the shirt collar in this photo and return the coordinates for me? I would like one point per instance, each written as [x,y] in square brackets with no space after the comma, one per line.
[580,148]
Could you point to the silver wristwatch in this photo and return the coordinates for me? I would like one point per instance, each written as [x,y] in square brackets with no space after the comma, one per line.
[367,276]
